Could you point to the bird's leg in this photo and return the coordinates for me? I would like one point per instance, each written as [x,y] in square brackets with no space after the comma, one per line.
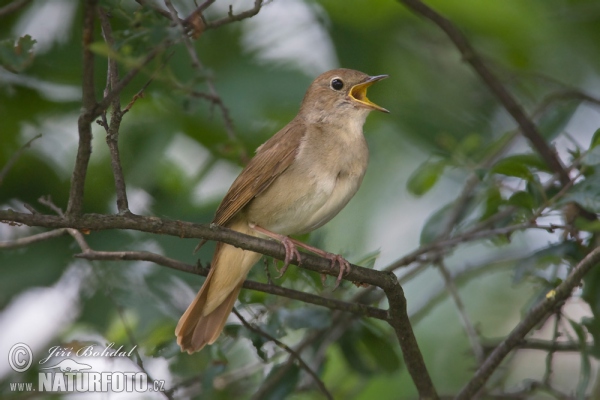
[290,249]
[334,258]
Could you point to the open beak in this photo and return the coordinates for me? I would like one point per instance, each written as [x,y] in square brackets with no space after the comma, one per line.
[359,93]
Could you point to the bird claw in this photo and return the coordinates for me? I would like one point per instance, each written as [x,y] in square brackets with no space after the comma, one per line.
[290,252]
[344,268]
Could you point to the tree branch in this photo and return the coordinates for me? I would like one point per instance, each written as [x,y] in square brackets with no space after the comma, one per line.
[334,304]
[13,159]
[84,123]
[13,7]
[462,312]
[398,317]
[293,354]
[236,17]
[528,128]
[26,241]
[410,348]
[553,299]
[112,129]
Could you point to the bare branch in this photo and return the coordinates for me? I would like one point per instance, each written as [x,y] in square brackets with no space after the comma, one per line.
[112,130]
[528,128]
[236,17]
[410,348]
[13,7]
[462,312]
[199,67]
[13,159]
[476,233]
[293,354]
[161,11]
[553,299]
[84,150]
[26,241]
[398,317]
[334,304]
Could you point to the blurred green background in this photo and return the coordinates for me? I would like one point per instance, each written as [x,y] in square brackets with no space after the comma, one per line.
[178,163]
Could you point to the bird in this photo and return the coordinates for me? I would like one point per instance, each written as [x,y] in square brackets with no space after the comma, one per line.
[296,182]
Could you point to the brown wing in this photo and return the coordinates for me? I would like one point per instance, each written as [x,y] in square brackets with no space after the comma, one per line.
[271,159]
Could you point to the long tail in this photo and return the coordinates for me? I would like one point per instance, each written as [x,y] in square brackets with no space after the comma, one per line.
[203,321]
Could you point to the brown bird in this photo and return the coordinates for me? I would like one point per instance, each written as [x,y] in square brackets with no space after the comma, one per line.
[298,180]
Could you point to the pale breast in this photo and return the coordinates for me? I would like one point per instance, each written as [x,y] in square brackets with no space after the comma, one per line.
[323,178]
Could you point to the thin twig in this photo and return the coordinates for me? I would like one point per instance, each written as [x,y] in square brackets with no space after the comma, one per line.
[398,317]
[13,7]
[84,149]
[13,159]
[112,129]
[236,17]
[553,299]
[550,354]
[199,67]
[462,312]
[543,345]
[476,233]
[528,128]
[293,354]
[26,241]
[334,304]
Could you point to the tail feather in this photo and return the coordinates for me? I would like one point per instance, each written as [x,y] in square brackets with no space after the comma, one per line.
[203,321]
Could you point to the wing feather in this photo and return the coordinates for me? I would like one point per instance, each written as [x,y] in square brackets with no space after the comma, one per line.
[270,161]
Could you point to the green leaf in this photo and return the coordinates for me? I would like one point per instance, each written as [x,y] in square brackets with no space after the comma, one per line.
[285,385]
[591,295]
[520,166]
[595,139]
[592,157]
[384,357]
[553,122]
[585,193]
[551,255]
[435,224]
[586,367]
[438,221]
[15,57]
[425,177]
[493,201]
[523,200]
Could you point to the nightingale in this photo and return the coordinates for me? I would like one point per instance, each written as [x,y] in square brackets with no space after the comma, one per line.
[297,181]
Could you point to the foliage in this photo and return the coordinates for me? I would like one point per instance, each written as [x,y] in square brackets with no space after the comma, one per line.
[480,197]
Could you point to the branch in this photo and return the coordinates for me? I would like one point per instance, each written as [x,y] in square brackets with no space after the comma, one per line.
[528,128]
[112,129]
[199,68]
[26,241]
[13,7]
[398,317]
[9,164]
[473,234]
[334,304]
[410,348]
[462,312]
[543,345]
[553,299]
[293,354]
[233,18]
[84,123]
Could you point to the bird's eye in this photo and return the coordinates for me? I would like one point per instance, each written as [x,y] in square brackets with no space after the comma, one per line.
[337,84]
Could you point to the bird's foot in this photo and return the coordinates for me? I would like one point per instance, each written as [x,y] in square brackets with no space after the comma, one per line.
[336,259]
[291,251]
